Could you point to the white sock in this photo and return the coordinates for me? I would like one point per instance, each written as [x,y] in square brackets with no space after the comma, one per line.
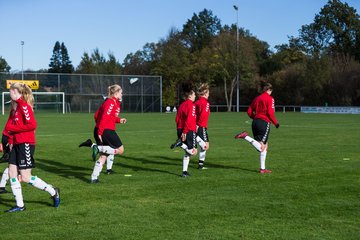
[202,156]
[109,161]
[187,150]
[253,142]
[40,184]
[201,142]
[4,178]
[186,161]
[16,189]
[106,149]
[262,159]
[97,170]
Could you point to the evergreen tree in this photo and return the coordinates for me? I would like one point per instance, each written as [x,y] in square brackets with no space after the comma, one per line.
[4,66]
[60,61]
[55,61]
[66,66]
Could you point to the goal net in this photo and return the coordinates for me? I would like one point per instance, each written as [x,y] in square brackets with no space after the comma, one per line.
[44,101]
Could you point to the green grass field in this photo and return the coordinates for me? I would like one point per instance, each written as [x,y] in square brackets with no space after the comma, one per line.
[313,192]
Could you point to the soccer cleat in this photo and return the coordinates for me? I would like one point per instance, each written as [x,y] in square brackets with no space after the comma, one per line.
[3,190]
[176,144]
[56,197]
[5,158]
[94,181]
[241,135]
[87,143]
[200,166]
[262,171]
[185,174]
[109,171]
[15,209]
[95,151]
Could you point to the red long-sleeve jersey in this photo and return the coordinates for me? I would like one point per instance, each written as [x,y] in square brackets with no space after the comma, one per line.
[107,115]
[186,116]
[22,123]
[202,112]
[263,107]
[6,128]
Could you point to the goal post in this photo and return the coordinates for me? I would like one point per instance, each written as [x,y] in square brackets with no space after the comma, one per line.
[62,101]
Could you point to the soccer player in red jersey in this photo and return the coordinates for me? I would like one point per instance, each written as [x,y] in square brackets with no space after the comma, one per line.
[202,117]
[22,129]
[186,126]
[262,111]
[108,142]
[6,142]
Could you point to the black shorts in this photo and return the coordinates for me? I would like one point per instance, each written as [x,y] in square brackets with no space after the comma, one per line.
[261,130]
[22,155]
[203,134]
[190,140]
[109,138]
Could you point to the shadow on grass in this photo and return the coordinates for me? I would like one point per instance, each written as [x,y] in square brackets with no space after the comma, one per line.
[171,161]
[11,202]
[64,170]
[144,161]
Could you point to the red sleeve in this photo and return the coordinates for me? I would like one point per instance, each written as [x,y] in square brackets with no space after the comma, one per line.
[271,110]
[106,116]
[117,120]
[250,111]
[28,120]
[96,115]
[6,128]
[10,139]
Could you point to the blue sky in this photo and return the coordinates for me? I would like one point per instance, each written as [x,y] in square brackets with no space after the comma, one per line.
[124,26]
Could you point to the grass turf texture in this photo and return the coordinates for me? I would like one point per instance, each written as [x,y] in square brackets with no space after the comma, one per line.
[313,192]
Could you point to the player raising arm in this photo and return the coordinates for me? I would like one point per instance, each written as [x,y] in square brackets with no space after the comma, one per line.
[262,111]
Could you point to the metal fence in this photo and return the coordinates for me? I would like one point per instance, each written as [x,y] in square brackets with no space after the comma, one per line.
[84,92]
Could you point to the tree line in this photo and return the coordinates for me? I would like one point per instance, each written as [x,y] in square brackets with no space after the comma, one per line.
[320,66]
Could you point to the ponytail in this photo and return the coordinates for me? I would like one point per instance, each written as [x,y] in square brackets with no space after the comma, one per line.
[28,95]
[25,92]
[113,89]
[203,89]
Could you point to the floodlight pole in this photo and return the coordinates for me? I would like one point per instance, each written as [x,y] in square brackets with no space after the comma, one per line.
[237,60]
[22,60]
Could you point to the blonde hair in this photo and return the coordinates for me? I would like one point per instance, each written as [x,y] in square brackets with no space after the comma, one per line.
[113,89]
[25,91]
[203,89]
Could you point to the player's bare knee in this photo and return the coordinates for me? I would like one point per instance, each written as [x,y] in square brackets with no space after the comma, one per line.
[194,152]
[120,150]
[25,178]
